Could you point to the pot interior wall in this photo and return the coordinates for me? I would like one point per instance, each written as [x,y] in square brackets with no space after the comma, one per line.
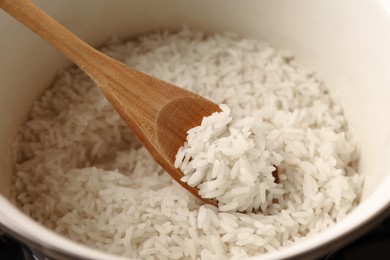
[347,43]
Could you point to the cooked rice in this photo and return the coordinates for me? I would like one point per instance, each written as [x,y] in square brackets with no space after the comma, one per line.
[80,172]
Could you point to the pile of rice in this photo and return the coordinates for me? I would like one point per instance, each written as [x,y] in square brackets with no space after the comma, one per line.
[80,171]
[229,160]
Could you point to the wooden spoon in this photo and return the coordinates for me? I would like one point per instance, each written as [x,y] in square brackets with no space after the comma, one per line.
[158,113]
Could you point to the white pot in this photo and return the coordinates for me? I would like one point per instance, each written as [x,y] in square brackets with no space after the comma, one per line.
[346,42]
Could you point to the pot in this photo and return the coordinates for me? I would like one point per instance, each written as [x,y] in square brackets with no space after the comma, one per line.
[346,42]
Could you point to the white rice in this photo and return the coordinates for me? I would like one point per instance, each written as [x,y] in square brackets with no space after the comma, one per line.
[228,160]
[80,172]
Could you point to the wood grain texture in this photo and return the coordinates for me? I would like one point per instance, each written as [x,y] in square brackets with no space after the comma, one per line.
[158,113]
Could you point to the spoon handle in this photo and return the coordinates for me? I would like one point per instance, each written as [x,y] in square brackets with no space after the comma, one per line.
[136,96]
[57,35]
